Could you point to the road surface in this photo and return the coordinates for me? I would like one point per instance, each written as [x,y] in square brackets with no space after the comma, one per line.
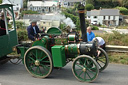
[11,74]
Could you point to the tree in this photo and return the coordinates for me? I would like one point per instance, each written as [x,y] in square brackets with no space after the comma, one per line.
[89,7]
[90,2]
[125,3]
[0,1]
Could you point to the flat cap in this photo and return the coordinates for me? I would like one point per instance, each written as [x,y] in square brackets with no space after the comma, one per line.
[33,21]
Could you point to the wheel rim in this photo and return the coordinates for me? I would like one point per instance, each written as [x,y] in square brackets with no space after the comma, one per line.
[85,68]
[38,62]
[102,59]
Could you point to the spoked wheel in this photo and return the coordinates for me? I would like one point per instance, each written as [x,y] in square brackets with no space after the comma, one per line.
[102,59]
[85,68]
[38,61]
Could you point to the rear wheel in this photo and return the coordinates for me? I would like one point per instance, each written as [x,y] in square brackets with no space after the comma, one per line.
[38,61]
[102,59]
[85,68]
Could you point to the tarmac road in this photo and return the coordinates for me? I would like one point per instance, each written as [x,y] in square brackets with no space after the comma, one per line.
[11,74]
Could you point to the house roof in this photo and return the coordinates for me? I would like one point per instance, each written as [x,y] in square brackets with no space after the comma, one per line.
[103,12]
[109,12]
[95,12]
[41,3]
[69,0]
[39,17]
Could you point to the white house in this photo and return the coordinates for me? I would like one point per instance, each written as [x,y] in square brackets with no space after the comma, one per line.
[69,3]
[109,17]
[42,6]
[18,4]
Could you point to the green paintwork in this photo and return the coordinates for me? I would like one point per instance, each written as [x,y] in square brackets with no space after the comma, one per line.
[61,41]
[54,31]
[72,49]
[8,41]
[58,55]
[43,42]
[71,37]
[22,49]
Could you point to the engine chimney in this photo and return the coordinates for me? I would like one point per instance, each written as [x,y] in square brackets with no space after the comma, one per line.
[82,22]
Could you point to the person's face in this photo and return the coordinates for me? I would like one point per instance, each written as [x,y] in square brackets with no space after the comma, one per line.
[33,24]
[89,30]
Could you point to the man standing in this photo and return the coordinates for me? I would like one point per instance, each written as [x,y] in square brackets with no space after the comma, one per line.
[33,30]
[90,34]
[2,25]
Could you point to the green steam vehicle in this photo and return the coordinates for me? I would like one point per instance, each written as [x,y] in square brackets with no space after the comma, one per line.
[56,50]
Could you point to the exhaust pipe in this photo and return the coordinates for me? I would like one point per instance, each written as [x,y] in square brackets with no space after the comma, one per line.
[81,11]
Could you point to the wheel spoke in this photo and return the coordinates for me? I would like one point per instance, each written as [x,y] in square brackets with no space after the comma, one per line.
[99,64]
[36,54]
[37,69]
[45,67]
[85,75]
[32,59]
[43,58]
[101,61]
[80,73]
[46,61]
[89,76]
[78,69]
[91,71]
[79,66]
[81,62]
[101,57]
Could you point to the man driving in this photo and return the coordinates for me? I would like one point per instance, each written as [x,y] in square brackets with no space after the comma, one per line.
[33,30]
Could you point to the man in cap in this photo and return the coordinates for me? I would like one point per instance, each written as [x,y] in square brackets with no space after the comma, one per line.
[2,25]
[33,30]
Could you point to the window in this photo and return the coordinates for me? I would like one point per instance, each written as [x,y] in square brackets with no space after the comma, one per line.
[113,17]
[108,17]
[104,17]
[95,16]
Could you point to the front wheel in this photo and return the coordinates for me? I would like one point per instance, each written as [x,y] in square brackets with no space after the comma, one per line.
[38,61]
[85,68]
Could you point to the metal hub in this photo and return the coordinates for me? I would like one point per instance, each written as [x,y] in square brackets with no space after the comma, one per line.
[84,69]
[37,62]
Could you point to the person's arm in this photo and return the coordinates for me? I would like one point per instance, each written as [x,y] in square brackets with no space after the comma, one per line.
[30,36]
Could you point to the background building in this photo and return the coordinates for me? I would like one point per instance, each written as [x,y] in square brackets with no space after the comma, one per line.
[42,6]
[109,17]
[18,5]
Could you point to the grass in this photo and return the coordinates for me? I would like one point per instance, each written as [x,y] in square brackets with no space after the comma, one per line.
[122,27]
[120,58]
[115,38]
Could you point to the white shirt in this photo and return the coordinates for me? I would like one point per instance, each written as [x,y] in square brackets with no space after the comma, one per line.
[100,41]
[34,30]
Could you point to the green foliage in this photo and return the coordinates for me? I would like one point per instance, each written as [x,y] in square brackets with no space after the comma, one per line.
[89,7]
[19,24]
[106,3]
[28,12]
[22,35]
[95,28]
[123,10]
[90,2]
[0,1]
[125,3]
